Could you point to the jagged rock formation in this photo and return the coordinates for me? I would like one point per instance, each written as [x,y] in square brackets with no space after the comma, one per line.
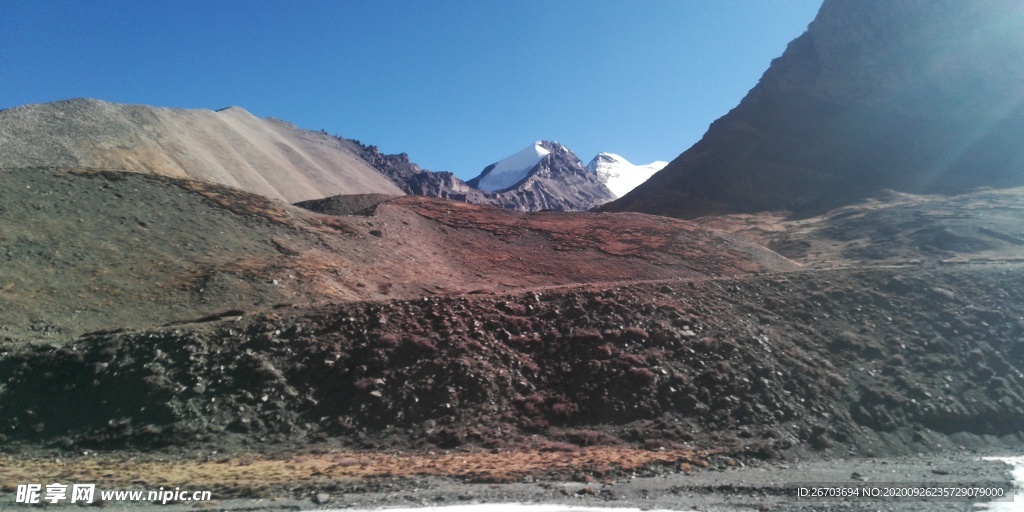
[918,96]
[544,176]
[420,182]
[230,147]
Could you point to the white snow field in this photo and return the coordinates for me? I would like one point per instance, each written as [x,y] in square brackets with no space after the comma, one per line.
[619,175]
[513,169]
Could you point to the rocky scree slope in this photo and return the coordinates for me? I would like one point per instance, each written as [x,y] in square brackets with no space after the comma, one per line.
[869,361]
[228,147]
[919,96]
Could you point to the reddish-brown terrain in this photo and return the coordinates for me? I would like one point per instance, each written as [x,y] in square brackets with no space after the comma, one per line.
[185,318]
[894,229]
[86,250]
[166,318]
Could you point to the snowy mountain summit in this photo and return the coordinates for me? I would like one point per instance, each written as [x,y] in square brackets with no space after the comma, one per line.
[510,171]
[543,176]
[619,175]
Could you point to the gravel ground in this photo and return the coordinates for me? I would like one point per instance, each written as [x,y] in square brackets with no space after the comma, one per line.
[761,487]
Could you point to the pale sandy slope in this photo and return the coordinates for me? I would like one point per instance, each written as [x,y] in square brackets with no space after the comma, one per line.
[230,147]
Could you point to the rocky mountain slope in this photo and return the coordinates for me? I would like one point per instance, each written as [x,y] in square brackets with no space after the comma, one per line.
[511,170]
[918,96]
[199,324]
[230,147]
[543,176]
[264,156]
[619,174]
[663,315]
[421,182]
[867,361]
[85,250]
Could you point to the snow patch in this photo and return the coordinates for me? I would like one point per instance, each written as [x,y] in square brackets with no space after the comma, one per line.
[619,175]
[513,169]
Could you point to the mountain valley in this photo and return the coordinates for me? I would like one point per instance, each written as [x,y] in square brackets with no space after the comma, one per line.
[832,278]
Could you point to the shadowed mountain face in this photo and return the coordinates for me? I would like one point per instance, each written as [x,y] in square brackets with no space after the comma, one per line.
[230,147]
[916,96]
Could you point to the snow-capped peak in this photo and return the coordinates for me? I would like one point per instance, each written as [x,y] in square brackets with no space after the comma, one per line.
[513,169]
[619,175]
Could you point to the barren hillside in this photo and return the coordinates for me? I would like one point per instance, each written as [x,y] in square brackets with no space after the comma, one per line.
[230,147]
[86,250]
[184,318]
[894,229]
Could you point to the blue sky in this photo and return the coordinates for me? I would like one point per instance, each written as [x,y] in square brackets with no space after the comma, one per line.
[455,84]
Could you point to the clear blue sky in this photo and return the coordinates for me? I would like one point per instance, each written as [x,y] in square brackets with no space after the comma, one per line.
[455,84]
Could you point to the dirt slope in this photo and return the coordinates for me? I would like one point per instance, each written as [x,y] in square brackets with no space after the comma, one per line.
[85,251]
[232,323]
[871,361]
[894,229]
[230,147]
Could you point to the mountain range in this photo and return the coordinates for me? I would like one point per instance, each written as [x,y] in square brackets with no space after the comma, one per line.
[872,96]
[543,176]
[274,158]
[278,312]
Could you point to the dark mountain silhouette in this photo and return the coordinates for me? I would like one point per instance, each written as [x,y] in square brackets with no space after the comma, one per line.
[919,96]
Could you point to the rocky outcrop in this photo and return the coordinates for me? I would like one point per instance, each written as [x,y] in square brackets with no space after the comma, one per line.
[918,96]
[416,181]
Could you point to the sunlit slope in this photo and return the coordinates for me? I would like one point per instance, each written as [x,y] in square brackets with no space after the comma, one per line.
[230,147]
